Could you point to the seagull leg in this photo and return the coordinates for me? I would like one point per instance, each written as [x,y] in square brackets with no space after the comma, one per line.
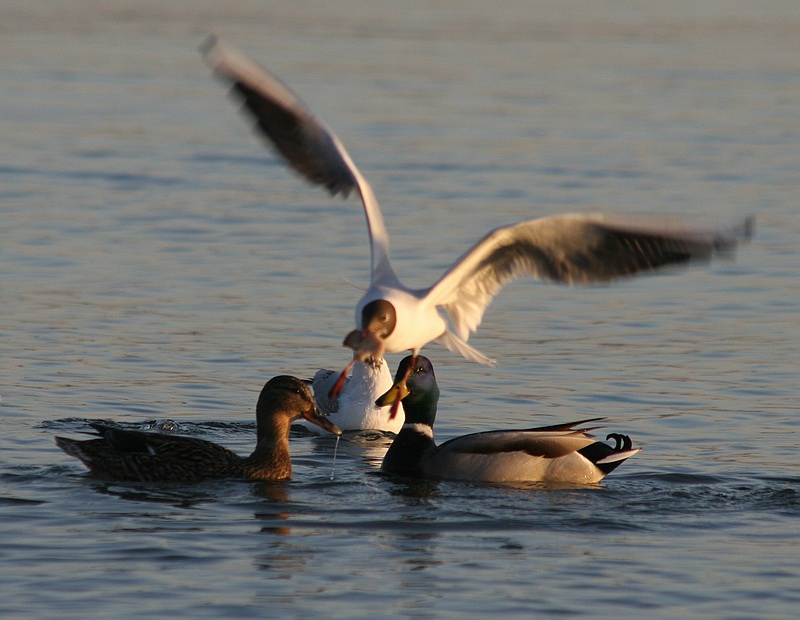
[395,408]
[396,404]
[367,347]
[337,387]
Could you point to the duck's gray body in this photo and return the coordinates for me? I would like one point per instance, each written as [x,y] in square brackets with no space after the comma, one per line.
[530,455]
[552,454]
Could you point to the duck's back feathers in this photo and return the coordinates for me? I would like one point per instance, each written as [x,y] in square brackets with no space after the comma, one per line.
[565,455]
[534,443]
[546,441]
[120,454]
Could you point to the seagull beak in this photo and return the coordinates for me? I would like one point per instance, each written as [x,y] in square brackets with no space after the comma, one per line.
[314,415]
[367,345]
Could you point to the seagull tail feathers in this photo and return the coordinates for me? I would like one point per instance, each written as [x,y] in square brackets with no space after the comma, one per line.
[460,346]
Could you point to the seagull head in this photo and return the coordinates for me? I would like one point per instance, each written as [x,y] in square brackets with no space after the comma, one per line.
[378,320]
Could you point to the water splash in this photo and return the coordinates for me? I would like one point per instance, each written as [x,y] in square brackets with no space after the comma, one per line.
[335,451]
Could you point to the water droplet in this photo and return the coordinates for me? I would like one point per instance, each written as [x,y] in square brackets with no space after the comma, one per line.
[335,450]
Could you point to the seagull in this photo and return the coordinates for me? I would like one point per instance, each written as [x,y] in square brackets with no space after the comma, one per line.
[354,409]
[572,248]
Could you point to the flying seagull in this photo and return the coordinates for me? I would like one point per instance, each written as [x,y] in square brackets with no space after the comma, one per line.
[390,318]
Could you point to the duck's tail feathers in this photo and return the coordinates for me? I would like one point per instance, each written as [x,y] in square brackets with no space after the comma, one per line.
[608,458]
[71,447]
[612,461]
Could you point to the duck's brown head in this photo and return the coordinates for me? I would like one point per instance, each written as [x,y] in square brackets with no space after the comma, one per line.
[291,397]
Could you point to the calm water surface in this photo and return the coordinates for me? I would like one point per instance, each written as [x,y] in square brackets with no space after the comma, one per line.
[156,263]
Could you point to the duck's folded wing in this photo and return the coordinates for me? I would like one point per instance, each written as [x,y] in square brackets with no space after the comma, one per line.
[567,426]
[573,249]
[534,443]
[129,442]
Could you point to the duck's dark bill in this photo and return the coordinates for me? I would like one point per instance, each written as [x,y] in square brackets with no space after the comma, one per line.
[320,420]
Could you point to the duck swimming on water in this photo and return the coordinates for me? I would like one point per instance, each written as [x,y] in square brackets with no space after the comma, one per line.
[119,454]
[390,318]
[560,453]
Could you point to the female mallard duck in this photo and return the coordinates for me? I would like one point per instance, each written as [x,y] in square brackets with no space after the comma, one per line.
[558,453]
[156,457]
[355,409]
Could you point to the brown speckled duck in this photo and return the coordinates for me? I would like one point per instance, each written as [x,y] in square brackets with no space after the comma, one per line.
[156,457]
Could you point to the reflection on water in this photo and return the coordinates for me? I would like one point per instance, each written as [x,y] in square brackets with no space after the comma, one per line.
[158,266]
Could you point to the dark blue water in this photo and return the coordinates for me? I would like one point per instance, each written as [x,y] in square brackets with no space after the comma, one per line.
[157,264]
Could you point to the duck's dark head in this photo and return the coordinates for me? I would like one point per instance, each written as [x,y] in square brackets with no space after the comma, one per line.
[289,398]
[416,386]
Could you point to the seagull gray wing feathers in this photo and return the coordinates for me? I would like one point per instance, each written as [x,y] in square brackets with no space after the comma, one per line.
[571,249]
[304,141]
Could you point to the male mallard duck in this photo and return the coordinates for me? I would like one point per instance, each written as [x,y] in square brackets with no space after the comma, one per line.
[574,248]
[157,457]
[355,409]
[558,453]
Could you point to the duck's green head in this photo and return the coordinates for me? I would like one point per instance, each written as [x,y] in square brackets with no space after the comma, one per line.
[416,387]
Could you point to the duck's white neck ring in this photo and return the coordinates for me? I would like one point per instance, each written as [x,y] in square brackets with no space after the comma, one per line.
[422,429]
